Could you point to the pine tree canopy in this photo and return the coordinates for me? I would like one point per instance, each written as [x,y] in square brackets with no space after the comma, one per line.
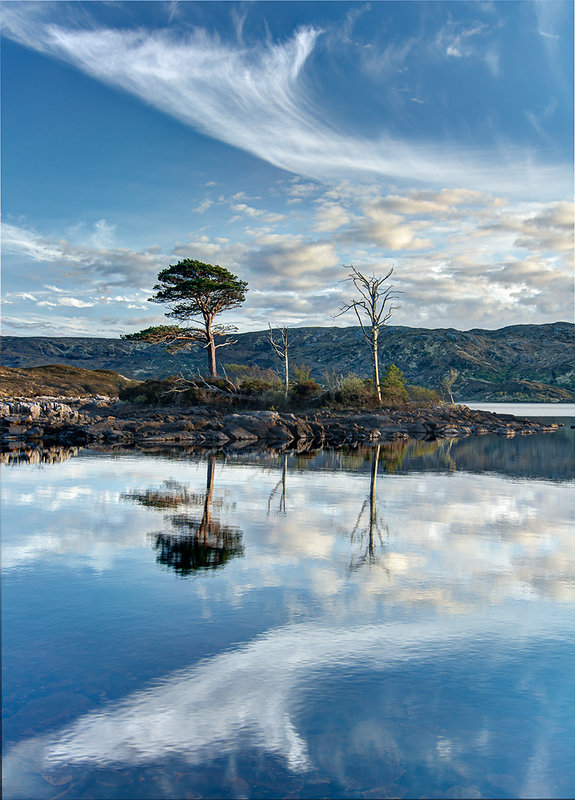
[193,288]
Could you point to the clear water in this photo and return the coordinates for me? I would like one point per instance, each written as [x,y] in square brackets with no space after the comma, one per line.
[392,622]
[551,410]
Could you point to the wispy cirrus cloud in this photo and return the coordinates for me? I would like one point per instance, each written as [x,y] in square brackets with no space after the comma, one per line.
[455,40]
[257,98]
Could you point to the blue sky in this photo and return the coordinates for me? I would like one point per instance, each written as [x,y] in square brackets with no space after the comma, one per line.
[283,141]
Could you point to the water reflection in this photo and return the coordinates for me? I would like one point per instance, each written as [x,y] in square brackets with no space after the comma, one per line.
[547,456]
[199,543]
[26,454]
[251,697]
[368,532]
[401,628]
[281,486]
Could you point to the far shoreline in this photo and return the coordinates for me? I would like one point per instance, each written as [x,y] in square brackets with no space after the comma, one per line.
[524,408]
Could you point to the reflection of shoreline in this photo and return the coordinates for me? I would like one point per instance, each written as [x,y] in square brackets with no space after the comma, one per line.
[539,456]
[37,455]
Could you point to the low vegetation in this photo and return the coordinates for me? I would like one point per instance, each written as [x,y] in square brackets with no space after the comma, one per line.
[57,380]
[252,387]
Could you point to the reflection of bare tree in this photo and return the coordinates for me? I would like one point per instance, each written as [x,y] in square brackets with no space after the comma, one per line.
[368,532]
[198,542]
[282,483]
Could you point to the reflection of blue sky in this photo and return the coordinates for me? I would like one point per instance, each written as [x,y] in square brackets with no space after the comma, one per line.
[249,696]
[490,537]
[473,586]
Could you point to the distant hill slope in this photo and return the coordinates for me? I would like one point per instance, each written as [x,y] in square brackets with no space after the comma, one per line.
[59,380]
[520,362]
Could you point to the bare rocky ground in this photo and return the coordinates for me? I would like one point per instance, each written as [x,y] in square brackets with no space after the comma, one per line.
[102,420]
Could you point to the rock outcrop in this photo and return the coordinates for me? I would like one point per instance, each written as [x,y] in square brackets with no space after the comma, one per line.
[104,420]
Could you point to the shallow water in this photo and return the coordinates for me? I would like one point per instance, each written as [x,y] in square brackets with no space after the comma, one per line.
[395,621]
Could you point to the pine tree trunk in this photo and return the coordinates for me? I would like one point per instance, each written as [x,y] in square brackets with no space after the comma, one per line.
[212,353]
[211,350]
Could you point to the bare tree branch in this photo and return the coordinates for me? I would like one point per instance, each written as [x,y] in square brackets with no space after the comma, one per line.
[373,310]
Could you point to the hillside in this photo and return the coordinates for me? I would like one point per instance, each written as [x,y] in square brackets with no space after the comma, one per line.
[519,362]
[59,380]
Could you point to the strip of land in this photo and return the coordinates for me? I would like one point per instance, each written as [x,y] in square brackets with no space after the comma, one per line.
[104,420]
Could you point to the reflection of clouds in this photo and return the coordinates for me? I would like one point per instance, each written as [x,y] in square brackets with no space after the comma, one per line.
[453,540]
[459,548]
[247,697]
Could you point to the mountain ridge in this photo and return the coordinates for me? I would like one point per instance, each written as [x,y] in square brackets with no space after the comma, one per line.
[518,362]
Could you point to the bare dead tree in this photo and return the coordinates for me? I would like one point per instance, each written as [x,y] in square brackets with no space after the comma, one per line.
[281,348]
[373,310]
[447,382]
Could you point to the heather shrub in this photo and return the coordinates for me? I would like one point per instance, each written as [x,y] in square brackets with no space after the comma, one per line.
[422,396]
[303,387]
[161,391]
[252,380]
[254,386]
[302,390]
[355,391]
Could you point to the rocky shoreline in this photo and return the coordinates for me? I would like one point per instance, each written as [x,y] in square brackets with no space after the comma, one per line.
[97,420]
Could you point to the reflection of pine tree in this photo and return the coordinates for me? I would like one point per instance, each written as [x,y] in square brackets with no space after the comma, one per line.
[198,542]
[367,534]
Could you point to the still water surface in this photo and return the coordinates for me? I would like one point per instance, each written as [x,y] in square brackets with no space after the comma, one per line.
[386,622]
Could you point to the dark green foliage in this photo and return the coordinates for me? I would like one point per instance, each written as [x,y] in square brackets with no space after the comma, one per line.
[393,391]
[192,288]
[196,293]
[153,331]
[173,337]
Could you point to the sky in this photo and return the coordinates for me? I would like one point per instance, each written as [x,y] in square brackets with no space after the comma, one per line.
[286,141]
